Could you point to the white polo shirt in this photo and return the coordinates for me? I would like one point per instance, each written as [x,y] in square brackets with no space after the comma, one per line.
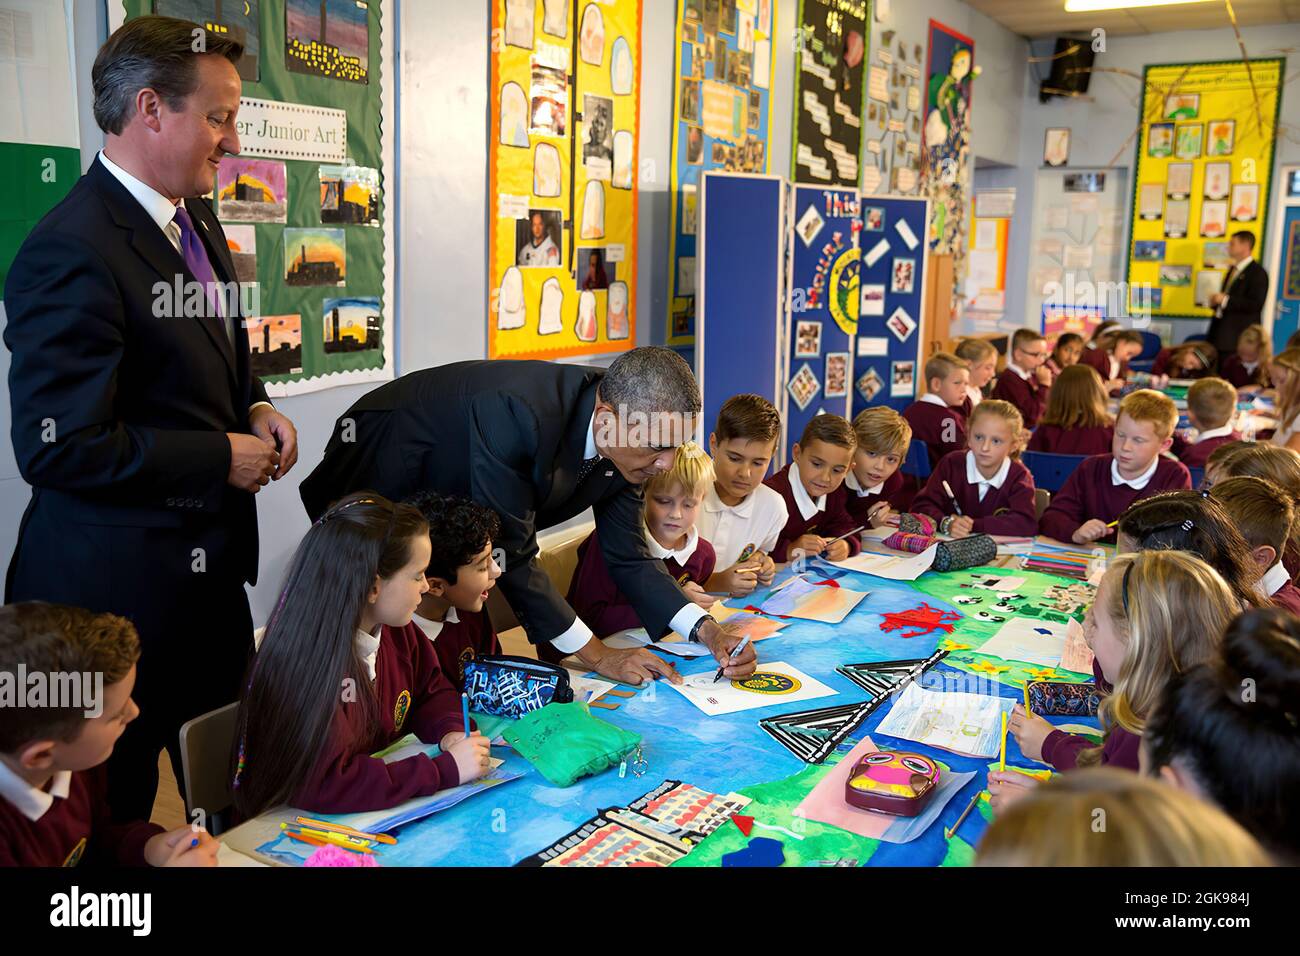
[756,521]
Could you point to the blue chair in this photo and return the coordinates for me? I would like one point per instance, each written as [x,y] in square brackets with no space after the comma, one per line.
[1198,476]
[1151,346]
[917,462]
[1049,470]
[1196,337]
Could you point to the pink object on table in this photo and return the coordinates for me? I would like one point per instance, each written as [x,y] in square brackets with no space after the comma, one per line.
[337,856]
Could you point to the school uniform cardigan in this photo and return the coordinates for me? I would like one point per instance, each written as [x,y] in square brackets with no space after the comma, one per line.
[414,697]
[1234,370]
[1090,493]
[1119,747]
[1196,455]
[941,427]
[860,505]
[76,827]
[1028,395]
[829,522]
[459,638]
[1093,440]
[597,600]
[1006,510]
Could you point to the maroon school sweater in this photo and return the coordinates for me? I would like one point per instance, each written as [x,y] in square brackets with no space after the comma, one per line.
[858,506]
[1119,748]
[1161,366]
[414,697]
[459,642]
[1234,370]
[1007,510]
[1094,440]
[834,521]
[605,609]
[76,828]
[1287,597]
[1089,493]
[1100,360]
[1028,396]
[1195,456]
[929,424]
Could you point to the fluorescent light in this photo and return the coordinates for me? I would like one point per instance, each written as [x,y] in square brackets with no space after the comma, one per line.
[1095,6]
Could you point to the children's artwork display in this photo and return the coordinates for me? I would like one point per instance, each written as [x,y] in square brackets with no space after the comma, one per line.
[721,117]
[826,602]
[829,70]
[308,212]
[893,113]
[562,218]
[1204,161]
[946,166]
[774,683]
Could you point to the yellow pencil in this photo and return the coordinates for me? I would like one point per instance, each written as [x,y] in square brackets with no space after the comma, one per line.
[1002,762]
[1026,701]
[340,828]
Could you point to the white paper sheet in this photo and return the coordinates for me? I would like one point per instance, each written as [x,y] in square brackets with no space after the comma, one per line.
[637,637]
[1028,640]
[775,683]
[969,724]
[895,567]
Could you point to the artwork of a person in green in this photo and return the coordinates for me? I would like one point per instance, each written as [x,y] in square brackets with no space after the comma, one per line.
[948,97]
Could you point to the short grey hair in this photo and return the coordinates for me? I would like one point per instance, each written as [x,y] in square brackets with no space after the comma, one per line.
[651,379]
[157,53]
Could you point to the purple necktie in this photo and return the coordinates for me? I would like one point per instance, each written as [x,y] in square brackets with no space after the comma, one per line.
[196,258]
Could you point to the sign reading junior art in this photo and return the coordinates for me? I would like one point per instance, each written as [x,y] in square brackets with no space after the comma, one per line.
[292,131]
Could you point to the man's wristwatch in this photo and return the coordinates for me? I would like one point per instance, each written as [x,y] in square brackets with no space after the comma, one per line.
[694,636]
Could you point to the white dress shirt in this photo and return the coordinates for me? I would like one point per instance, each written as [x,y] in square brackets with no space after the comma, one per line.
[367,646]
[1138,483]
[934,399]
[1214,433]
[1018,370]
[974,394]
[856,487]
[28,800]
[807,505]
[1274,579]
[756,521]
[974,477]
[433,628]
[680,555]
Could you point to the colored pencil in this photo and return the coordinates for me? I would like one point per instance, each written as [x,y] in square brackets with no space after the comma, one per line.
[1002,761]
[464,711]
[948,834]
[340,828]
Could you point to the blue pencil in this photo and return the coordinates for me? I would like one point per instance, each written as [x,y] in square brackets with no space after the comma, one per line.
[464,711]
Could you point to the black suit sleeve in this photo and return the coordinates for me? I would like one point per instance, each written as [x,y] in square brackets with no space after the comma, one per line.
[66,333]
[646,582]
[503,443]
[1248,295]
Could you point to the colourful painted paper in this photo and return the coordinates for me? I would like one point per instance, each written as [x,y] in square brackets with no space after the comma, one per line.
[946,143]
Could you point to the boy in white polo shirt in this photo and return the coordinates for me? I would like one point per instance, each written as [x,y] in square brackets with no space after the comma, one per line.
[741,517]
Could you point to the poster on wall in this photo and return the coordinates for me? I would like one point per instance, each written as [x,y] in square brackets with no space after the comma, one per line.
[1204,162]
[893,113]
[721,117]
[946,142]
[562,191]
[304,206]
[38,129]
[829,70]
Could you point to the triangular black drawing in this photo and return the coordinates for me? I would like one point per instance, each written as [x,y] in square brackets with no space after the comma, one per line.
[811,735]
[880,679]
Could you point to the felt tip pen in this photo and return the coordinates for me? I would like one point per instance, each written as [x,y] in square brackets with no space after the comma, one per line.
[843,536]
[953,498]
[464,711]
[735,652]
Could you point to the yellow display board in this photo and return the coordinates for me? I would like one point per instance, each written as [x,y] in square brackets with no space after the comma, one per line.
[562,190]
[1204,161]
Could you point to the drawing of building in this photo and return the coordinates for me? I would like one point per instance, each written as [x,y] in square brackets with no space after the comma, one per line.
[306,272]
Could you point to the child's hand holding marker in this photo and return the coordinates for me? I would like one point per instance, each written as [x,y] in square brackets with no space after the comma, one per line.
[1094,529]
[186,846]
[1008,786]
[879,514]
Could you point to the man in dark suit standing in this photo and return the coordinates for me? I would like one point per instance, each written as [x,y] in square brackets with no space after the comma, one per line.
[1245,289]
[539,443]
[136,419]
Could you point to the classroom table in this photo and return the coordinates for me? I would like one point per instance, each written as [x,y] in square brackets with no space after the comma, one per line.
[501,826]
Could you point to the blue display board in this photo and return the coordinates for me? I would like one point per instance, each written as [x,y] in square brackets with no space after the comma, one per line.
[1287,279]
[823,305]
[891,279]
[741,289]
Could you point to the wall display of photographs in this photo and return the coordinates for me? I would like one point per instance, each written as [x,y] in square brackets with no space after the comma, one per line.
[1208,139]
[893,113]
[308,231]
[808,340]
[838,365]
[829,70]
[721,117]
[563,173]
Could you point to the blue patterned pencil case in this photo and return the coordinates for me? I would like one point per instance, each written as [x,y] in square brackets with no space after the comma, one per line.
[506,686]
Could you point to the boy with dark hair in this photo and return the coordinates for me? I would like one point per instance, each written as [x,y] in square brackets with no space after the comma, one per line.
[462,571]
[1025,381]
[814,492]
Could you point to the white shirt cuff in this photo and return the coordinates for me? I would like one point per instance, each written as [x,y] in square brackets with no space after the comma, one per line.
[257,405]
[685,619]
[574,639]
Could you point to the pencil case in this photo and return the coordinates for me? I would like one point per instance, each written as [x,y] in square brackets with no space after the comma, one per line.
[916,524]
[1049,698]
[566,743]
[961,553]
[506,686]
[895,782]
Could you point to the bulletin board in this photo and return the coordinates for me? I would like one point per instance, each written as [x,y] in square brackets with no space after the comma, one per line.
[829,71]
[1204,162]
[946,142]
[894,112]
[895,260]
[984,294]
[562,190]
[1077,243]
[722,107]
[311,237]
[823,305]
